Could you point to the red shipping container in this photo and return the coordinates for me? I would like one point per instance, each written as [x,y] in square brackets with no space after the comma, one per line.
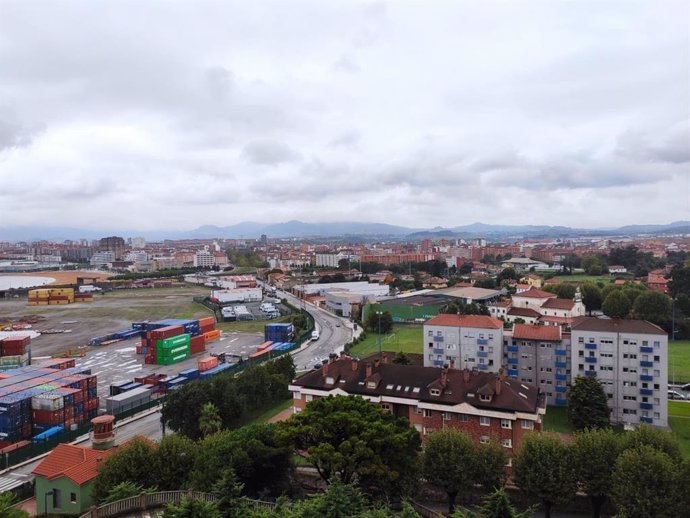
[69,412]
[26,430]
[78,396]
[205,321]
[13,349]
[24,340]
[79,419]
[92,381]
[51,417]
[91,404]
[206,329]
[166,332]
[69,422]
[144,342]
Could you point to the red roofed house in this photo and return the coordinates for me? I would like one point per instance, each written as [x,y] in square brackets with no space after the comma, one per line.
[538,306]
[465,341]
[657,281]
[540,355]
[64,479]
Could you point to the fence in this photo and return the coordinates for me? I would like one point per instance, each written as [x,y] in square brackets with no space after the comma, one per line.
[156,500]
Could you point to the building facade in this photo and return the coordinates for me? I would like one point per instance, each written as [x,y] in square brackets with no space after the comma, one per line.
[630,359]
[465,341]
[488,406]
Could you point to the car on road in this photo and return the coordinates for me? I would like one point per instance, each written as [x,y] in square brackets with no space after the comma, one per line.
[673,394]
[685,387]
[317,366]
[337,324]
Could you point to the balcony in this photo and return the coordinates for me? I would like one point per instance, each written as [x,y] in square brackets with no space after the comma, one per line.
[438,351]
[482,341]
[438,339]
[592,374]
[648,420]
[512,361]
[482,354]
[512,348]
[483,367]
[646,377]
[561,377]
[513,373]
[560,352]
[646,349]
[561,365]
[591,359]
[645,363]
[561,402]
[646,392]
[560,389]
[590,346]
[646,406]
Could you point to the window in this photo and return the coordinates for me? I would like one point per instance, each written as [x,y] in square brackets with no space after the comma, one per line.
[330,380]
[296,395]
[507,443]
[506,423]
[446,416]
[428,430]
[428,413]
[435,392]
[484,439]
[370,384]
[485,421]
[463,418]
[430,333]
[386,407]
[418,411]
[73,498]
[484,397]
[526,424]
[308,398]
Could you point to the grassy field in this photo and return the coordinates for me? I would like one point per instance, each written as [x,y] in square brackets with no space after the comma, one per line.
[581,277]
[407,339]
[277,408]
[556,420]
[679,361]
[679,420]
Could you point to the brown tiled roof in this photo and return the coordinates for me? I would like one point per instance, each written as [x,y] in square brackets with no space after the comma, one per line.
[414,382]
[532,332]
[452,320]
[617,325]
[523,312]
[535,293]
[77,463]
[558,304]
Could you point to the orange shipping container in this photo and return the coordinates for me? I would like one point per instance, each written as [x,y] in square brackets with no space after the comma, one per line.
[205,364]
[207,321]
[212,335]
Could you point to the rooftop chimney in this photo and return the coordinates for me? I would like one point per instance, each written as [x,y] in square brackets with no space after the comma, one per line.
[444,377]
[499,384]
[377,362]
[368,369]
[354,364]
[103,434]
[452,364]
[332,357]
[384,358]
[324,369]
[466,375]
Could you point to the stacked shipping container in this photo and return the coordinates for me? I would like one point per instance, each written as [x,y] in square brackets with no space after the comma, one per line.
[279,332]
[173,340]
[15,352]
[38,398]
[56,296]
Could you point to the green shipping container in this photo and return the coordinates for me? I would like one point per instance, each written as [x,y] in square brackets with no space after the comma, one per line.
[169,360]
[174,341]
[172,353]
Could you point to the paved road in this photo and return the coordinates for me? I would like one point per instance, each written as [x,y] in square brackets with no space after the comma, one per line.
[334,333]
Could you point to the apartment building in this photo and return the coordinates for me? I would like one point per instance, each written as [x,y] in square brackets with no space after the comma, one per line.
[630,359]
[539,355]
[464,341]
[488,406]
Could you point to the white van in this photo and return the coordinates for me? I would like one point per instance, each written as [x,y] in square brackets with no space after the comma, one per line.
[314,335]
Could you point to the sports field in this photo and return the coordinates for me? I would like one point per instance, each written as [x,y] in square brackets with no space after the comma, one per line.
[407,339]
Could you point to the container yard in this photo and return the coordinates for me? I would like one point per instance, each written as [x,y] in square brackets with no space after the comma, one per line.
[57,296]
[174,340]
[42,400]
[15,352]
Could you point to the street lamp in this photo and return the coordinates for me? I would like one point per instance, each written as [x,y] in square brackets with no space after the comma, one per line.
[378,339]
[45,501]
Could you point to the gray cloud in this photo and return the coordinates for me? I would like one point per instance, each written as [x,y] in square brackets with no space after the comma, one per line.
[268,152]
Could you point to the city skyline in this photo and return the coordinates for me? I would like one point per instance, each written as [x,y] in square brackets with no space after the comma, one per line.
[537,113]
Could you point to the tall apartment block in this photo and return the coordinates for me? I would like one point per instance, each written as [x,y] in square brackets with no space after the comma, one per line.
[464,342]
[630,359]
[540,356]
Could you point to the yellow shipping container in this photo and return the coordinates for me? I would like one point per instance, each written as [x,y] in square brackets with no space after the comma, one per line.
[39,293]
[62,291]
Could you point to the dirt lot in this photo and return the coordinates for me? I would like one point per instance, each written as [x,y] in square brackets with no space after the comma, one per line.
[67,277]
[115,311]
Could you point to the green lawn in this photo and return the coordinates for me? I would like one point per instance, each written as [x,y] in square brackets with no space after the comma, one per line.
[251,326]
[264,416]
[679,361]
[679,420]
[581,277]
[407,339]
[556,420]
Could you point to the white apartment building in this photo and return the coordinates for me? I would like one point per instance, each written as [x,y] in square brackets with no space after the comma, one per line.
[137,256]
[465,341]
[203,258]
[102,258]
[630,359]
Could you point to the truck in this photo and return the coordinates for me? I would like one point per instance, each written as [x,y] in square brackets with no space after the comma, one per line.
[88,288]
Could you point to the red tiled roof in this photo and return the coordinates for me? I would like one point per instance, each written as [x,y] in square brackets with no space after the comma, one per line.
[531,332]
[523,312]
[535,293]
[452,320]
[74,462]
[558,304]
[555,320]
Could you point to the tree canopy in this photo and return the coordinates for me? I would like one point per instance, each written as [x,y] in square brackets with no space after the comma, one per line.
[587,404]
[616,304]
[379,322]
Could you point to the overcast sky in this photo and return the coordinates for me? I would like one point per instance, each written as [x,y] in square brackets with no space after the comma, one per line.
[169,115]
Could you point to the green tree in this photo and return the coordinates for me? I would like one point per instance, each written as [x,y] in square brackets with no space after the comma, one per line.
[338,501]
[125,490]
[616,304]
[646,484]
[401,358]
[7,510]
[656,438]
[653,306]
[591,296]
[135,462]
[491,461]
[679,280]
[587,404]
[594,454]
[182,408]
[543,469]
[496,505]
[592,265]
[192,508]
[508,273]
[355,440]
[379,321]
[450,462]
[228,490]
[176,455]
[209,420]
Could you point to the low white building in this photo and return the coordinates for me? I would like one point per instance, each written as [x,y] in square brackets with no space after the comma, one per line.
[237,295]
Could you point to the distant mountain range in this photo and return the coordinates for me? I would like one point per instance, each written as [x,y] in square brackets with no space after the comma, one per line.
[300,229]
